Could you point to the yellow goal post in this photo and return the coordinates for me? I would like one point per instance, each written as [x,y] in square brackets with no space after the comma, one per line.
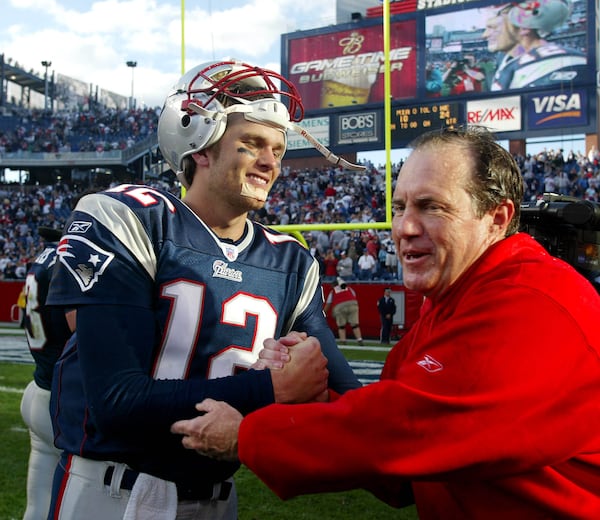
[296,230]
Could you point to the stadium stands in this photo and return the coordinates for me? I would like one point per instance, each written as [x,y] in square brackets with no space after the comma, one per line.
[327,195]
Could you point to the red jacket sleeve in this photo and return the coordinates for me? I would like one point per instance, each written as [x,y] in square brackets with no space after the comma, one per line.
[491,393]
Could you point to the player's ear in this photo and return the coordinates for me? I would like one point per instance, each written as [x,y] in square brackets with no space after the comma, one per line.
[200,158]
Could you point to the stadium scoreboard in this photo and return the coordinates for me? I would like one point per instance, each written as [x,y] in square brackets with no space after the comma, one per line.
[408,122]
[442,70]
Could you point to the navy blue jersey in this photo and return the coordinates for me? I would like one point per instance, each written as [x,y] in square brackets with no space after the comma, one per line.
[46,327]
[167,315]
[547,65]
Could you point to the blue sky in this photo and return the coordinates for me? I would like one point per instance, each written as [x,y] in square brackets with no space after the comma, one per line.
[91,41]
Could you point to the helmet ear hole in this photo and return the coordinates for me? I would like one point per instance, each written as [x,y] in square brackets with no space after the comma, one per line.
[186,120]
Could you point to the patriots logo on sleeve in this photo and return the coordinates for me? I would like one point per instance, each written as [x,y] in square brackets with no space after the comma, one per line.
[84,260]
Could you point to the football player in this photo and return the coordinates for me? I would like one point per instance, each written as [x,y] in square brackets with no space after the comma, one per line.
[174,299]
[46,330]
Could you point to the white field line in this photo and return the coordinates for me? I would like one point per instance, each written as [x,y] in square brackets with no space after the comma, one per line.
[11,390]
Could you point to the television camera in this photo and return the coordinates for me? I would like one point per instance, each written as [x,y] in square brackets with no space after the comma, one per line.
[568,228]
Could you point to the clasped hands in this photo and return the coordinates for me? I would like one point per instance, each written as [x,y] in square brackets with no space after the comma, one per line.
[299,374]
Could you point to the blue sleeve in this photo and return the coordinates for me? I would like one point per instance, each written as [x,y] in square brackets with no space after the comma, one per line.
[121,394]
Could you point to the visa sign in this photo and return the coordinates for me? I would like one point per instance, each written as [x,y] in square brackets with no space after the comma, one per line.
[557,109]
[497,115]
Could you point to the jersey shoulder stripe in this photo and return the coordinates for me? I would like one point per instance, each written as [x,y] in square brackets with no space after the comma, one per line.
[120,219]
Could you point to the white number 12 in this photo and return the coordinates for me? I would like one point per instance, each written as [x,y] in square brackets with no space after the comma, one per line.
[187,305]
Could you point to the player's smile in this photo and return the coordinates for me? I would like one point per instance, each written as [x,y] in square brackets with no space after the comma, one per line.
[255,179]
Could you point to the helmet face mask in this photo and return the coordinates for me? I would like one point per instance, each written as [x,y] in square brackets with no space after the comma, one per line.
[227,81]
[195,112]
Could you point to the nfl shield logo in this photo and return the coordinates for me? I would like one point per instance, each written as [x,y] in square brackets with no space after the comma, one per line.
[231,251]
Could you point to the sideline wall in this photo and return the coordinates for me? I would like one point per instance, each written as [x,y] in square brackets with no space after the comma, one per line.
[9,293]
[368,294]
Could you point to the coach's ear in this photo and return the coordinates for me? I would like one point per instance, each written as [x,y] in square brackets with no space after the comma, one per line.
[502,216]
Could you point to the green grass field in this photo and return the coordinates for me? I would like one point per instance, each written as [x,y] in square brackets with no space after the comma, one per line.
[256,501]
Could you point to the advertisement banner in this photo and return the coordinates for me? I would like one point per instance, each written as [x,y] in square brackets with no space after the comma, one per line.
[557,109]
[345,68]
[318,127]
[507,46]
[112,100]
[497,115]
[362,127]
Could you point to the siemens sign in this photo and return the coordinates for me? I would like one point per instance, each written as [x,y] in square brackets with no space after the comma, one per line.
[318,127]
[358,128]
[557,109]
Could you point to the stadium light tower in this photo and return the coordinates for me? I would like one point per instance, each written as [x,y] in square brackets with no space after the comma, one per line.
[46,64]
[133,65]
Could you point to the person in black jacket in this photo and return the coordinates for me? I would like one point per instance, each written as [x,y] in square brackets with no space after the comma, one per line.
[386,305]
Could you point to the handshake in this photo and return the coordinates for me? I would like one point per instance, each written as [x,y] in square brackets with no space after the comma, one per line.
[299,375]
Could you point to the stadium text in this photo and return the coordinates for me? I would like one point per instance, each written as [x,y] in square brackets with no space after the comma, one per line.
[432,4]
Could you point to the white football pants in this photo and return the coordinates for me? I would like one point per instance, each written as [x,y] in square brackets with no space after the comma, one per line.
[43,457]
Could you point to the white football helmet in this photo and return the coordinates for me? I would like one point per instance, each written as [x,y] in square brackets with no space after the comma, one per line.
[195,112]
[541,15]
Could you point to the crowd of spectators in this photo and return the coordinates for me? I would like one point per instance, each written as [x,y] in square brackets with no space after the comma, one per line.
[308,196]
[23,209]
[92,130]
